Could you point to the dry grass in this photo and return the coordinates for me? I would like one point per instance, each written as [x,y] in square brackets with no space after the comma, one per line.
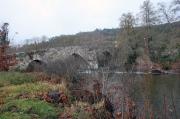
[19,95]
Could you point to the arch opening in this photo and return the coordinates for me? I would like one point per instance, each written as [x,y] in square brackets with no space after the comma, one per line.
[104,59]
[36,66]
[78,61]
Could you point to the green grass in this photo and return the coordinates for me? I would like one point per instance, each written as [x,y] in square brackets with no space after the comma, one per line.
[29,89]
[29,107]
[14,78]
[14,115]
[19,98]
[13,84]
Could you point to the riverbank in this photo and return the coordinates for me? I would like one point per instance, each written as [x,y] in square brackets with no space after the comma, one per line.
[90,96]
[37,95]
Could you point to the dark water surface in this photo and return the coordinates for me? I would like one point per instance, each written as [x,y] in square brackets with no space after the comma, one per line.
[162,92]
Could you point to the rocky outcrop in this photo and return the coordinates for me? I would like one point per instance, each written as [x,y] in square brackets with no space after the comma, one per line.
[143,64]
[176,67]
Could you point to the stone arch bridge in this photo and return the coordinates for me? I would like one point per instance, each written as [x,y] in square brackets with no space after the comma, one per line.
[53,54]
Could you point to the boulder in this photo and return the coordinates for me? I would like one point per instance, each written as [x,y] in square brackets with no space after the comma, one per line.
[143,64]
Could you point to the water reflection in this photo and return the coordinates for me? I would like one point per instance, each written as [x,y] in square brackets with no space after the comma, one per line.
[160,93]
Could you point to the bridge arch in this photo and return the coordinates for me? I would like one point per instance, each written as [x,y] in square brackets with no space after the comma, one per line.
[78,61]
[79,57]
[36,66]
[104,58]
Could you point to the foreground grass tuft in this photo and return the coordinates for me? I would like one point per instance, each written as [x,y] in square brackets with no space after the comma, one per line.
[14,78]
[18,97]
[25,107]
[14,115]
[29,89]
[26,96]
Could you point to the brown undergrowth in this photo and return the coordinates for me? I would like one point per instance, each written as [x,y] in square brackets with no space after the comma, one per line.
[42,96]
[44,93]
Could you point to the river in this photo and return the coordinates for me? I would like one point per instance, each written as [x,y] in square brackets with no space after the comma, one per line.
[158,93]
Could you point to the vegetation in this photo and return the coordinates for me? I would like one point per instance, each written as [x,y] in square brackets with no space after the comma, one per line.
[45,97]
[14,78]
[153,36]
[59,92]
[13,106]
[28,107]
[54,97]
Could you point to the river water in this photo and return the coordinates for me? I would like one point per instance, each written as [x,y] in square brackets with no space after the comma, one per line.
[158,93]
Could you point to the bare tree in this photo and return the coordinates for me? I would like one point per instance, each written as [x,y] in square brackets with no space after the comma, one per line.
[176,8]
[127,23]
[166,13]
[148,14]
[149,18]
[176,2]
[126,39]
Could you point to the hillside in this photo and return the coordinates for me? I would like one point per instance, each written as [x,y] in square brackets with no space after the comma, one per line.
[96,37]
[163,48]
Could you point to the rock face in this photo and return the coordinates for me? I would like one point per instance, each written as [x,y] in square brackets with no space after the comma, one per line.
[143,64]
[157,69]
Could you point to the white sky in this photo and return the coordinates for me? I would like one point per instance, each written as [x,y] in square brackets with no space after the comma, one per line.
[32,18]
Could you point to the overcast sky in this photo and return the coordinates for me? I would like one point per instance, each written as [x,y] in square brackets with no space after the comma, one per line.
[31,18]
